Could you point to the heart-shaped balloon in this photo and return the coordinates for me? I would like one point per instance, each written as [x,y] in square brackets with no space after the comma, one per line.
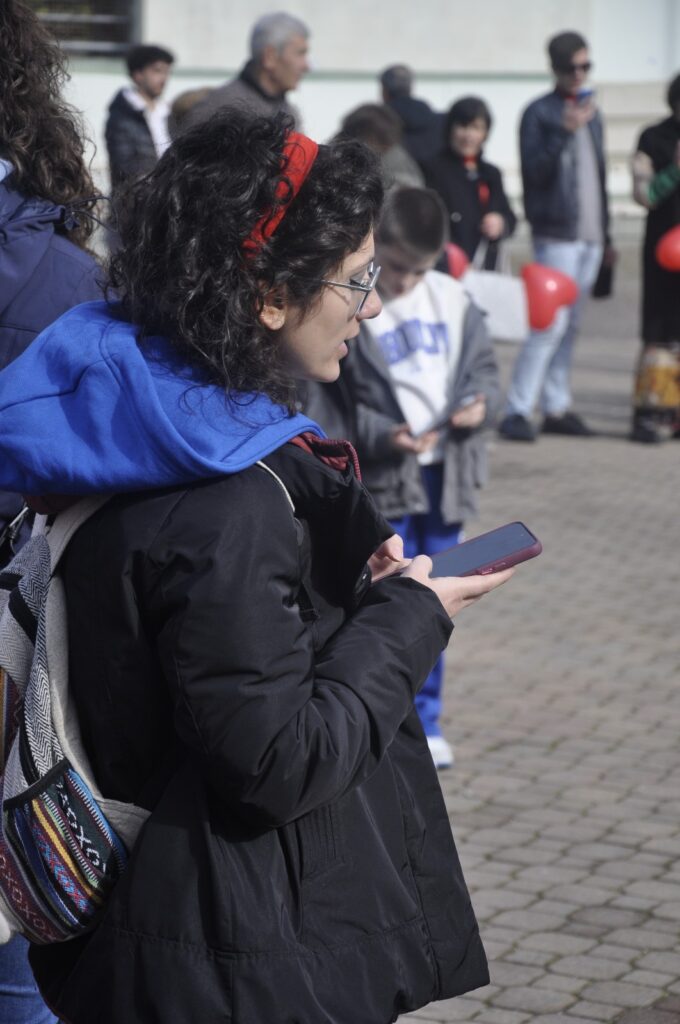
[668,249]
[456,259]
[546,289]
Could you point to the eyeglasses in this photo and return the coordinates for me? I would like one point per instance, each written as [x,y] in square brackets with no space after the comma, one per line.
[365,287]
[571,69]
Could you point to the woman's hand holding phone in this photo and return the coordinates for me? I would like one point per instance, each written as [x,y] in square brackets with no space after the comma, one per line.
[388,559]
[455,592]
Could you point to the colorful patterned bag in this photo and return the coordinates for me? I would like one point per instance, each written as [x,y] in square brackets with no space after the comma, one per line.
[62,844]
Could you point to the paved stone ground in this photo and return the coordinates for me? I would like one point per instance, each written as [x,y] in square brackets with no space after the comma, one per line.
[563,702]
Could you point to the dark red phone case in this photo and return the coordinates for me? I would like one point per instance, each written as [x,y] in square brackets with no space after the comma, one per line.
[491,552]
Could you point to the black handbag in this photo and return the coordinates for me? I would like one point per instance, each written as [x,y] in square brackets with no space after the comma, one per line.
[604,282]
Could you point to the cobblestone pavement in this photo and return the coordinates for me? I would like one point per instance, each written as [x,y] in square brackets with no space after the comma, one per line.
[563,702]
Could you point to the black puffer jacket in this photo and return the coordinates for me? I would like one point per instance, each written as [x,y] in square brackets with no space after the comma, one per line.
[234,669]
[129,142]
[468,198]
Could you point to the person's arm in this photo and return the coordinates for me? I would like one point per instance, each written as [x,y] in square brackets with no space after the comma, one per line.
[541,146]
[122,148]
[500,220]
[375,433]
[376,429]
[478,373]
[650,189]
[280,729]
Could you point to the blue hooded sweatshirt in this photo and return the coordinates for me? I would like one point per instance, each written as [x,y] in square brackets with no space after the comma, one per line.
[89,408]
[42,273]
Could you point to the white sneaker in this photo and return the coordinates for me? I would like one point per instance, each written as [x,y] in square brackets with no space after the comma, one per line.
[442,752]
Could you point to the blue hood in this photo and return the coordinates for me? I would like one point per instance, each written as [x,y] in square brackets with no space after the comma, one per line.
[88,409]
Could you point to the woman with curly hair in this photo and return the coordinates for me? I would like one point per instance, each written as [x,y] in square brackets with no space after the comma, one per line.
[242,662]
[44,270]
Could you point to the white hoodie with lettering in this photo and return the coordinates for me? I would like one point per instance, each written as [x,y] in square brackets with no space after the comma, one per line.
[420,336]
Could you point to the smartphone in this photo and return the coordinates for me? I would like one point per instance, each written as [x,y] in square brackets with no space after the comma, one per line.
[490,552]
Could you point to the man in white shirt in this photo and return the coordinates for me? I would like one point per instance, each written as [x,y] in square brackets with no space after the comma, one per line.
[137,125]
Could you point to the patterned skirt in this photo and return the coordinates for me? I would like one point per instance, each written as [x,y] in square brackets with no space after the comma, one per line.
[657,384]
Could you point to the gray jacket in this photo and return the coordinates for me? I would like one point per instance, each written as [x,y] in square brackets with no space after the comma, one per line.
[394,478]
[244,93]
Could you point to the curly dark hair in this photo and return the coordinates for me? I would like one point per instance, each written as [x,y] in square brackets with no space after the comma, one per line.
[185,270]
[40,134]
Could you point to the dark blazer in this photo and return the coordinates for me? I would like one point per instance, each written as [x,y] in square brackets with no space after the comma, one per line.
[467,203]
[241,676]
[129,142]
[42,274]
[548,154]
[423,128]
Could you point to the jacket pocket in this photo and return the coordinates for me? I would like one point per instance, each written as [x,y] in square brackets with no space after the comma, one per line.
[319,841]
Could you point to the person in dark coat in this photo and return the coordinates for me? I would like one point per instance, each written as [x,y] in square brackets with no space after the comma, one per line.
[422,126]
[244,660]
[137,123]
[656,186]
[45,191]
[472,188]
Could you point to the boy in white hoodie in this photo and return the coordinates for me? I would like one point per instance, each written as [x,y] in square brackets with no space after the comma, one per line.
[425,382]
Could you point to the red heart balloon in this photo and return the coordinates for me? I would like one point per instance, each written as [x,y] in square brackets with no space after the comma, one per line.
[668,249]
[456,260]
[546,289]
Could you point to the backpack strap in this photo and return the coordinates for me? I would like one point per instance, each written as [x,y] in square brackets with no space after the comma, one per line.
[59,529]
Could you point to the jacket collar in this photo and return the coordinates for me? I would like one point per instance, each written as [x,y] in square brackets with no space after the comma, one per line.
[249,76]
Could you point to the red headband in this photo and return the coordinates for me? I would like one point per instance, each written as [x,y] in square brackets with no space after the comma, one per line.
[299,153]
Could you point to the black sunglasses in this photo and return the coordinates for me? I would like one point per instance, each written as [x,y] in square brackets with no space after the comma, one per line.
[573,68]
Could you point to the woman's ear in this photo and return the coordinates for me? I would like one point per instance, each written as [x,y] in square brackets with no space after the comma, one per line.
[273,312]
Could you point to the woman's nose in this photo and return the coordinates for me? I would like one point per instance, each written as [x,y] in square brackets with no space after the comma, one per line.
[371,307]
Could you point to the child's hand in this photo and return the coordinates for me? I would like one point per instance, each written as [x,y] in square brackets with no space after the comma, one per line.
[471,415]
[404,441]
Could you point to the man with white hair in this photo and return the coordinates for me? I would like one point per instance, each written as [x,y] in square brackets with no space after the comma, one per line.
[278,60]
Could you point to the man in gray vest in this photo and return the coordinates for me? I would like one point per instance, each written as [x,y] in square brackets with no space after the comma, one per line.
[278,60]
[565,200]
